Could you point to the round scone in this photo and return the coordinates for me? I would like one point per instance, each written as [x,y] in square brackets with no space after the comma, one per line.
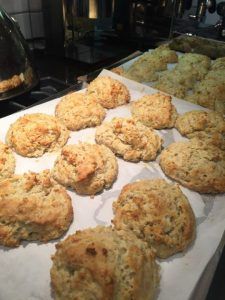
[33,134]
[33,207]
[130,139]
[197,165]
[209,126]
[7,161]
[87,168]
[156,111]
[78,112]
[157,212]
[108,92]
[105,264]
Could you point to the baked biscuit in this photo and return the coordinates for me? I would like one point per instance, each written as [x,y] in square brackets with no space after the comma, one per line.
[102,263]
[33,207]
[218,64]
[178,78]
[7,162]
[165,54]
[141,73]
[78,112]
[129,139]
[108,92]
[156,111]
[209,126]
[210,94]
[195,164]
[195,64]
[11,83]
[87,168]
[33,134]
[118,70]
[172,88]
[157,212]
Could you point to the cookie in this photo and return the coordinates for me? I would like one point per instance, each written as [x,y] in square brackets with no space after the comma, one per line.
[34,134]
[87,168]
[209,126]
[158,213]
[130,139]
[33,207]
[78,112]
[7,162]
[102,263]
[156,111]
[108,92]
[195,164]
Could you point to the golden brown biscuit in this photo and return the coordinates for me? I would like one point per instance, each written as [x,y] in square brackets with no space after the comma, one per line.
[33,134]
[7,162]
[33,207]
[209,126]
[78,112]
[156,111]
[195,164]
[108,92]
[87,168]
[9,84]
[102,263]
[129,139]
[157,212]
[118,70]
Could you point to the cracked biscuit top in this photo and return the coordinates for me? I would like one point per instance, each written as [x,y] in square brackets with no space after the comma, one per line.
[129,138]
[158,213]
[105,264]
[34,134]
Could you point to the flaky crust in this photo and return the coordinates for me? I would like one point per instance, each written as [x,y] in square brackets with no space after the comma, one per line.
[77,112]
[87,168]
[129,139]
[195,164]
[34,134]
[104,264]
[7,161]
[157,212]
[156,111]
[209,126]
[107,91]
[33,207]
[11,83]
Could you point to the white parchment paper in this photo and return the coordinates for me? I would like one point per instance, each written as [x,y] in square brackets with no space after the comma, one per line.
[25,270]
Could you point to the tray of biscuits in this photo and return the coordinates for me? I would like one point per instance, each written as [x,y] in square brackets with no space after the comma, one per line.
[113,192]
[194,77]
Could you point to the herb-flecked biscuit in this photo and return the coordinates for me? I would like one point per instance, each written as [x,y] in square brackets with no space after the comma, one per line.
[195,164]
[108,92]
[156,111]
[205,125]
[210,94]
[165,54]
[157,212]
[172,88]
[34,134]
[130,139]
[78,112]
[33,207]
[87,168]
[218,64]
[7,161]
[105,264]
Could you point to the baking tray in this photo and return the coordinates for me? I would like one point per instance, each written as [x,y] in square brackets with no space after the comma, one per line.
[25,270]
